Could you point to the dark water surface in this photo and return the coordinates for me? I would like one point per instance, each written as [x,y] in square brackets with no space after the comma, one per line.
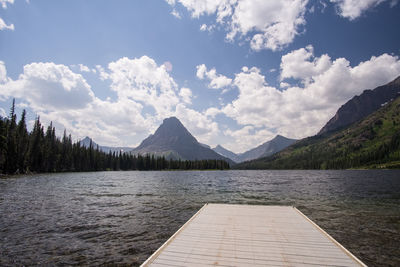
[120,218]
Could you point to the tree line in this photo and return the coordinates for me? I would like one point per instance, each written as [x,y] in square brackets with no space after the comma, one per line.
[42,151]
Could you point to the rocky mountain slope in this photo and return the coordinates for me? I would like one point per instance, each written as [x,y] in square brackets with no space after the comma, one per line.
[361,106]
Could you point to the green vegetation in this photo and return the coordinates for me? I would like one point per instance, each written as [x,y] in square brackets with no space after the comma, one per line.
[373,142]
[39,151]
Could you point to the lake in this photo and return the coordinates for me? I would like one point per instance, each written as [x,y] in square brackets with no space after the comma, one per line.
[100,218]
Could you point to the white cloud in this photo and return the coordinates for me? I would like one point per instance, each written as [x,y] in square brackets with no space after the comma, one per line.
[102,72]
[142,80]
[212,112]
[3,73]
[301,111]
[297,64]
[284,85]
[83,68]
[109,123]
[202,7]
[217,81]
[247,137]
[205,27]
[352,9]
[4,3]
[277,22]
[48,86]
[4,26]
[201,126]
[176,14]
[186,95]
[201,71]
[269,24]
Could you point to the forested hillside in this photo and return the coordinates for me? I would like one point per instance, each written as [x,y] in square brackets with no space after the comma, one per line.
[373,142]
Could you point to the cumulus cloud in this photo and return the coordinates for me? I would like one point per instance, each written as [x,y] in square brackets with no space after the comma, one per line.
[4,26]
[300,111]
[269,24]
[142,80]
[352,9]
[3,72]
[49,86]
[217,81]
[298,64]
[102,72]
[186,95]
[277,22]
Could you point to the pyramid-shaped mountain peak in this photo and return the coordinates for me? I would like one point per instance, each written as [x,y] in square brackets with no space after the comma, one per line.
[173,140]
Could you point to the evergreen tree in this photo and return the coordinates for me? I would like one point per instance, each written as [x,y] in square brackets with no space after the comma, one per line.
[36,149]
[11,149]
[22,143]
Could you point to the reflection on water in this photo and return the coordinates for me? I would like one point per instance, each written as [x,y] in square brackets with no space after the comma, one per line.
[122,217]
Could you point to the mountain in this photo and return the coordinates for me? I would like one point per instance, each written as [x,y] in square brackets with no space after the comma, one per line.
[226,153]
[173,140]
[86,143]
[373,142]
[266,149]
[361,106]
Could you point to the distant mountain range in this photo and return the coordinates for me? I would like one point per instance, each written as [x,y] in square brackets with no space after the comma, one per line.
[266,149]
[86,143]
[361,106]
[173,140]
[372,142]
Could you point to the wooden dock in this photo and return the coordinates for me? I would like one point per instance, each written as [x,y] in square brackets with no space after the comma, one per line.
[244,235]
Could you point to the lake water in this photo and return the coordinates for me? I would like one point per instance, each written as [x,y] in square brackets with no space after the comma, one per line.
[122,217]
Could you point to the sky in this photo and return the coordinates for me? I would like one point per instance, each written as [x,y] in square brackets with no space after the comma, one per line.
[235,72]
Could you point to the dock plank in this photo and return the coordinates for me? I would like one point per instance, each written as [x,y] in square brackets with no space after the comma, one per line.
[246,235]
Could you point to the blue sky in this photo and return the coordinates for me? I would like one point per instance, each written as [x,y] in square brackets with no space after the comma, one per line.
[235,72]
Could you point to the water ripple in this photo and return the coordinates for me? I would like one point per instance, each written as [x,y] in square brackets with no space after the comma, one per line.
[120,218]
